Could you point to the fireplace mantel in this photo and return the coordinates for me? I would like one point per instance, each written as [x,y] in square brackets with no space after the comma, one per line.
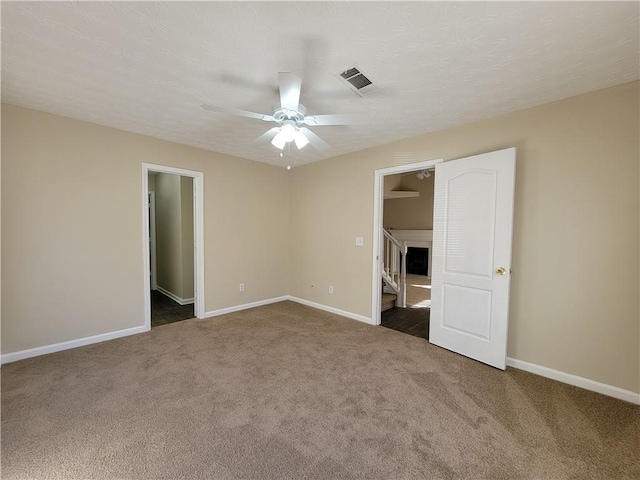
[415,238]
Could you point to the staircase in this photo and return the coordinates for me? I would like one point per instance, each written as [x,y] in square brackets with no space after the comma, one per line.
[388,301]
[394,272]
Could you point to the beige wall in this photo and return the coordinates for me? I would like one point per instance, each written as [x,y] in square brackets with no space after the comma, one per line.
[174,234]
[72,227]
[413,213]
[574,302]
[391,183]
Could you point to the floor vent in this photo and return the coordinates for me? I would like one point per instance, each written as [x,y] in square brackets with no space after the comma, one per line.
[357,81]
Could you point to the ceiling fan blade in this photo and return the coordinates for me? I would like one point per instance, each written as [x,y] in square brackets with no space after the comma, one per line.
[240,113]
[290,85]
[315,141]
[336,119]
[266,137]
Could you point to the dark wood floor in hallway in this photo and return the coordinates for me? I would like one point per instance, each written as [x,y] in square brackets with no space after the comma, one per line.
[165,311]
[413,321]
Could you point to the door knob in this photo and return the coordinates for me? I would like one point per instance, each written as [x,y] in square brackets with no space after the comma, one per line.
[501,271]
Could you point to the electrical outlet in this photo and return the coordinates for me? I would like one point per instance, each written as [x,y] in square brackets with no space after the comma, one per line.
[242,287]
[359,241]
[331,289]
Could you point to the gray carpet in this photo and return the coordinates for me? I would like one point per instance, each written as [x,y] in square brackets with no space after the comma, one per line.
[288,392]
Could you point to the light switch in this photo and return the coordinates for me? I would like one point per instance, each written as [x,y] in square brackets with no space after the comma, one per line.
[359,241]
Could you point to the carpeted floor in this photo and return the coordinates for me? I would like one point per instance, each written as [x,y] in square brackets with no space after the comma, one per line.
[288,392]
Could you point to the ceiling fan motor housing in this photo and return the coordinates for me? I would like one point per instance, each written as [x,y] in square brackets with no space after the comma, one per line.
[283,114]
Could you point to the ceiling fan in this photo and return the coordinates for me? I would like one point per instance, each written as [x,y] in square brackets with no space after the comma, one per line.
[291,117]
[422,174]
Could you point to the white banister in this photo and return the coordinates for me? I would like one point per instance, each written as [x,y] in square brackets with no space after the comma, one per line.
[394,267]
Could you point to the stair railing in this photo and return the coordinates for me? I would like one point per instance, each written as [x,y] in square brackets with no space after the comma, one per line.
[394,267]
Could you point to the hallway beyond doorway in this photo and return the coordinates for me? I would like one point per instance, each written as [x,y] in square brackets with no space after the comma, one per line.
[165,311]
[413,320]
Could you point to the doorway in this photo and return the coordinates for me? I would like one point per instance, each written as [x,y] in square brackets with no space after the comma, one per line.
[472,238]
[172,246]
[378,224]
[407,217]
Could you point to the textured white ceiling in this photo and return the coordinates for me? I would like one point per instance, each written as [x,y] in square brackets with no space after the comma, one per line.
[146,67]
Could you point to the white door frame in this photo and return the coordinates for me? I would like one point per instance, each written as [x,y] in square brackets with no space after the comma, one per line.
[378,210]
[152,240]
[198,236]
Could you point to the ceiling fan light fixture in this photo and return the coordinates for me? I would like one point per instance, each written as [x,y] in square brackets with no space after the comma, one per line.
[288,133]
[301,140]
[422,174]
[288,130]
[279,140]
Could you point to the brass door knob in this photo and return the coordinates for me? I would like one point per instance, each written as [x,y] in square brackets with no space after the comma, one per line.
[501,271]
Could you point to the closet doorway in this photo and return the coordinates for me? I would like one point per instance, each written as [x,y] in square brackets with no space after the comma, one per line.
[173,222]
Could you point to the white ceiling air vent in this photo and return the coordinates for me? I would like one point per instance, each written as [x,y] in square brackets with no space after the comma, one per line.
[357,81]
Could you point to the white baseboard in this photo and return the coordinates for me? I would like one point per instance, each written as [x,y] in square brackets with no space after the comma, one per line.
[308,303]
[587,384]
[245,306]
[603,388]
[319,306]
[57,347]
[175,298]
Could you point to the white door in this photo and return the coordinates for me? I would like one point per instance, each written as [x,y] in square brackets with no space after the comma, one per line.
[472,230]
